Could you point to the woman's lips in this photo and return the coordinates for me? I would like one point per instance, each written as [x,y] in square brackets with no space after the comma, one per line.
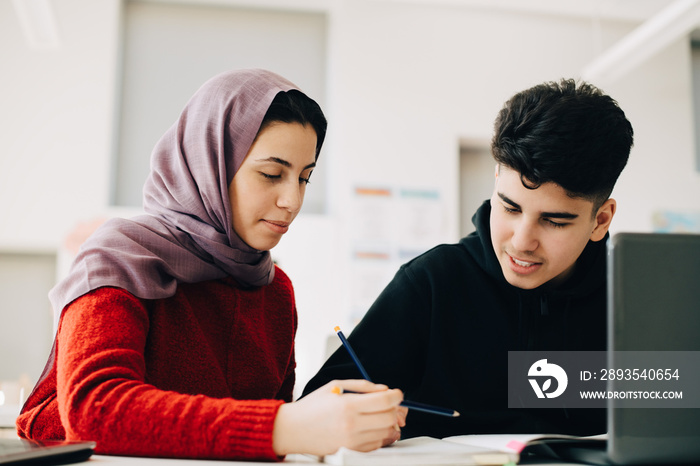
[277,227]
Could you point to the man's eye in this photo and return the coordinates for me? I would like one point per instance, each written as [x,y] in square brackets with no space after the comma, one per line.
[556,224]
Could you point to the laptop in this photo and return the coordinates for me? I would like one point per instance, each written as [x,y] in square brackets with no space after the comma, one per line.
[46,452]
[653,305]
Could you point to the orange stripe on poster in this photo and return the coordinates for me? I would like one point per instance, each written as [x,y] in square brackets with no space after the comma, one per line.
[372,192]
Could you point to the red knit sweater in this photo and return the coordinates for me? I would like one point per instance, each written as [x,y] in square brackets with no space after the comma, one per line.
[198,375]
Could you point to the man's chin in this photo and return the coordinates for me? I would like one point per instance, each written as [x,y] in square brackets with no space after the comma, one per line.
[524,283]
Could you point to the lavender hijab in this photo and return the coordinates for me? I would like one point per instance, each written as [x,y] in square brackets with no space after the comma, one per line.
[187,234]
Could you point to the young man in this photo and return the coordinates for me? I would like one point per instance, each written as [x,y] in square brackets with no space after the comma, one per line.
[532,276]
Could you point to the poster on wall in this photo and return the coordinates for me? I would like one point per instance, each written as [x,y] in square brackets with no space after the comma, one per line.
[668,221]
[390,226]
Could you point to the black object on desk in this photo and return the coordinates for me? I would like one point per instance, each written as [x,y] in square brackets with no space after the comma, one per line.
[32,452]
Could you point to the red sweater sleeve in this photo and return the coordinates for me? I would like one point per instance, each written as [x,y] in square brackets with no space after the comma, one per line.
[102,394]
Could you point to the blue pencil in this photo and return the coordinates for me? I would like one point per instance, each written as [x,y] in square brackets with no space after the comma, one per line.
[406,403]
[354,357]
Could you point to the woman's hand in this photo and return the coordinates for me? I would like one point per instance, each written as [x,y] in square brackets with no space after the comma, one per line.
[401,414]
[324,421]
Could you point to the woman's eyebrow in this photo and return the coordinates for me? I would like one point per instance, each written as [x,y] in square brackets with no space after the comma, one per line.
[284,163]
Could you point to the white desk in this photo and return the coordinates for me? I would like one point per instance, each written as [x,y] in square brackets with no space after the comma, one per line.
[98,460]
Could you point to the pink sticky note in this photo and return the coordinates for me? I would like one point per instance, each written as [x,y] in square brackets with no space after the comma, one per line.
[515,445]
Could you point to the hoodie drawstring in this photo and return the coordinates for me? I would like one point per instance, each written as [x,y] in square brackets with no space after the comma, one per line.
[521,331]
[544,305]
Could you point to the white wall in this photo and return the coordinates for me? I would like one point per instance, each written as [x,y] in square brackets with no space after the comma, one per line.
[55,122]
[661,173]
[418,77]
[406,82]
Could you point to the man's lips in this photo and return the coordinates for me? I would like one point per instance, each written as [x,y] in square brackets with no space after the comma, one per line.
[523,263]
[522,266]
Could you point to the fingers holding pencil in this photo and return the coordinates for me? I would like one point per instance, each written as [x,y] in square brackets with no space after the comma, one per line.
[381,426]
[370,398]
[399,415]
[324,421]
[355,386]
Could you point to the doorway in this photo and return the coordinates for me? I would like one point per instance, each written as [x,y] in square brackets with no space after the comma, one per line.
[476,175]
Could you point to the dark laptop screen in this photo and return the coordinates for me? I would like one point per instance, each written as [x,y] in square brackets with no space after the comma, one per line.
[653,305]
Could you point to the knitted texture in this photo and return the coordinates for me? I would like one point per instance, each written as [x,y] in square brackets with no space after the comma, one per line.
[198,375]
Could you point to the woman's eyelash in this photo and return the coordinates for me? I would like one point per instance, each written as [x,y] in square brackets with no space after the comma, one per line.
[277,177]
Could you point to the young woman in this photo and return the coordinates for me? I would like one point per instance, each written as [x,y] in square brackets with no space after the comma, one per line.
[176,336]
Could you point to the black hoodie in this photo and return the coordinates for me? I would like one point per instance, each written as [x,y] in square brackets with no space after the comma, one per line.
[442,329]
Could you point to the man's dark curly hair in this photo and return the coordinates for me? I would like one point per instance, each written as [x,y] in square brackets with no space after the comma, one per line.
[567,133]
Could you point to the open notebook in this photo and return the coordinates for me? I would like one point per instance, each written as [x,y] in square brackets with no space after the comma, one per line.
[496,449]
[422,451]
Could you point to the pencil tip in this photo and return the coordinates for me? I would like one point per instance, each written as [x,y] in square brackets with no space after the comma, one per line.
[455,414]
[336,329]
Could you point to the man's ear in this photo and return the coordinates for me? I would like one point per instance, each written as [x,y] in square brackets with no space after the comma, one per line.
[603,218]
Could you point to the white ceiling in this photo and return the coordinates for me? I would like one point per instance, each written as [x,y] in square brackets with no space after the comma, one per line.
[657,22]
[625,10]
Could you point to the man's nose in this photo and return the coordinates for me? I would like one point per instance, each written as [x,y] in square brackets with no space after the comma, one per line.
[525,236]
